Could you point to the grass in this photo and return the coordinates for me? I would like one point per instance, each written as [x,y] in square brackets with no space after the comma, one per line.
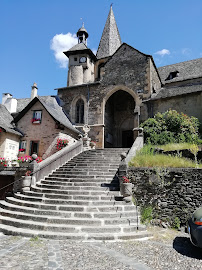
[160,160]
[147,158]
[175,146]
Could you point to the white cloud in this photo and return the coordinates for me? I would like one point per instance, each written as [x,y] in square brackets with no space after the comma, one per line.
[186,51]
[163,52]
[61,43]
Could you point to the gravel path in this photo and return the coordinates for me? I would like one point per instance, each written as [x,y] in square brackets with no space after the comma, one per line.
[168,251]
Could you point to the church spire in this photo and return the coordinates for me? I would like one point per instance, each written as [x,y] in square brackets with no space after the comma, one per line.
[110,40]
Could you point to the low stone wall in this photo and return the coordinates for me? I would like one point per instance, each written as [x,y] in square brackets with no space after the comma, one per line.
[173,192]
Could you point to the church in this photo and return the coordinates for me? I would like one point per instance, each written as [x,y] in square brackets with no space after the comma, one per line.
[111,92]
[120,87]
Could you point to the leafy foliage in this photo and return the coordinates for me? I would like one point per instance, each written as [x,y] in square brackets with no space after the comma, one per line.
[171,127]
[146,214]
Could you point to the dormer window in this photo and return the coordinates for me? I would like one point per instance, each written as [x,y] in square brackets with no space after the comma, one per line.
[37,117]
[172,75]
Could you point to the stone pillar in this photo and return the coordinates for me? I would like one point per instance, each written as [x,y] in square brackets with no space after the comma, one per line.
[34,166]
[122,167]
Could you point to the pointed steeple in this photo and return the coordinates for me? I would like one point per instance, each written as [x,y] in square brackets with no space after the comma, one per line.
[110,40]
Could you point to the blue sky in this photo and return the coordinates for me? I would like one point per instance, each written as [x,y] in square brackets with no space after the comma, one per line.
[34,31]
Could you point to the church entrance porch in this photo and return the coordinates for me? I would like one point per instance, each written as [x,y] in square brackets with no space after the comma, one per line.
[120,120]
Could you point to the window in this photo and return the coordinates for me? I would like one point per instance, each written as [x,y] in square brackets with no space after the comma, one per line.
[22,146]
[75,59]
[172,75]
[36,117]
[34,146]
[80,111]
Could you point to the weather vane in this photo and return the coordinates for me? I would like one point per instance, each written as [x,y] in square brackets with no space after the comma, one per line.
[82,21]
[111,4]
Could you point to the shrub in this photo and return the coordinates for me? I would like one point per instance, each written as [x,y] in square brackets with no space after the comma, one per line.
[176,223]
[171,127]
[146,214]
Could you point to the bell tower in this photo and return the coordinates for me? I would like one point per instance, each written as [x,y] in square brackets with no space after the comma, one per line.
[82,35]
[81,61]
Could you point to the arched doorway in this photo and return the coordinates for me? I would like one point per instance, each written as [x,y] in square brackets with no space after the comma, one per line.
[119,120]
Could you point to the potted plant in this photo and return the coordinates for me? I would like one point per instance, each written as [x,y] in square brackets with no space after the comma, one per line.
[24,161]
[26,181]
[3,162]
[61,143]
[36,121]
[92,144]
[126,188]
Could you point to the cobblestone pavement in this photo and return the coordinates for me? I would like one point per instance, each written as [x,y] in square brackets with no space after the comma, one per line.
[168,251]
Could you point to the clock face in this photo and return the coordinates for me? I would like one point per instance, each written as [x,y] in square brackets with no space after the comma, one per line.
[82,59]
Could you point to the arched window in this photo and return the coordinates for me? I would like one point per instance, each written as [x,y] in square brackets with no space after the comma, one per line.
[80,111]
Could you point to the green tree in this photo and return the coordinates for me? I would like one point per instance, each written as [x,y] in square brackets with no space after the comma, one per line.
[171,127]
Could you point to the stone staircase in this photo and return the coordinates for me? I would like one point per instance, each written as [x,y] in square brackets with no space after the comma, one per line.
[78,201]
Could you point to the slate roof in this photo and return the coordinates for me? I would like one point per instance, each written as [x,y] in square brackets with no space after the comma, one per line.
[80,47]
[54,109]
[6,121]
[110,40]
[187,70]
[168,92]
[82,29]
[22,103]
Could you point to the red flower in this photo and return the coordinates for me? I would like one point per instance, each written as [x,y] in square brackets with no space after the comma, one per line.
[125,180]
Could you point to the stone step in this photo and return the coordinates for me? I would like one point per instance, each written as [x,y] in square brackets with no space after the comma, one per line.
[67,214]
[68,197]
[72,236]
[77,208]
[76,184]
[87,179]
[68,225]
[83,173]
[79,201]
[76,176]
[85,162]
[66,189]
[71,201]
[85,166]
[87,171]
[57,194]
[63,222]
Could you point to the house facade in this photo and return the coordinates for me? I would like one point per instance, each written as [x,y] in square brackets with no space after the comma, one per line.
[9,135]
[35,126]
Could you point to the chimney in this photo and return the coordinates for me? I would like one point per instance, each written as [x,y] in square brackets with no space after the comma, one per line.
[34,91]
[9,102]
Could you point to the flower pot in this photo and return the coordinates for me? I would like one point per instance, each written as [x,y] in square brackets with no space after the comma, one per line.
[24,164]
[26,183]
[126,189]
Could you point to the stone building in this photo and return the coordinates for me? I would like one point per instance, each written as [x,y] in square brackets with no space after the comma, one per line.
[9,135]
[33,125]
[114,91]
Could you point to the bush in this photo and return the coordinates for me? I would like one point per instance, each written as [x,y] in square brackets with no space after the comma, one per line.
[171,127]
[146,214]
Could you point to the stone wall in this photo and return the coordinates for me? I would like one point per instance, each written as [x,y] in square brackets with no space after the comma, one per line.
[172,192]
[188,104]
